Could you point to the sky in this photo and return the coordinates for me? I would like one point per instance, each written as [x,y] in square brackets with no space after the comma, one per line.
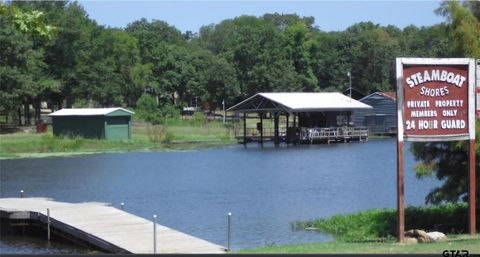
[329,15]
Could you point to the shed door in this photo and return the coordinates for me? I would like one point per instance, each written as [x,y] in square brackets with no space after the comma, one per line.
[117,128]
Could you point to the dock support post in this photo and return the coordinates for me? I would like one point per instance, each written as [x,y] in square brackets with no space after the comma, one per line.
[21,193]
[229,230]
[294,128]
[48,224]
[245,128]
[261,128]
[122,205]
[154,234]
[276,138]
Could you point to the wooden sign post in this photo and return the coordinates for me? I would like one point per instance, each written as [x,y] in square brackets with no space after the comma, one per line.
[435,102]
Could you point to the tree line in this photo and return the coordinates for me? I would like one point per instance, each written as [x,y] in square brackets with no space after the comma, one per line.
[52,51]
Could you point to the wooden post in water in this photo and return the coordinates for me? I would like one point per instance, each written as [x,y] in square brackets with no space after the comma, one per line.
[245,128]
[48,224]
[21,193]
[286,129]
[294,128]
[261,128]
[276,136]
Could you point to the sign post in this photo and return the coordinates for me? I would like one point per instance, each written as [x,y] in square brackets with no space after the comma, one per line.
[478,89]
[435,102]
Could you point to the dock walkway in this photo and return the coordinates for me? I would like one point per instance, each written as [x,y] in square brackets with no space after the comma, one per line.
[104,226]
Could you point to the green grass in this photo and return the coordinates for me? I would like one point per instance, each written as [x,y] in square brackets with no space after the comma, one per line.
[381,224]
[374,231]
[456,242]
[179,135]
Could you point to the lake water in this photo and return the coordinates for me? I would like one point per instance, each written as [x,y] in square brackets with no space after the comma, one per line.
[265,189]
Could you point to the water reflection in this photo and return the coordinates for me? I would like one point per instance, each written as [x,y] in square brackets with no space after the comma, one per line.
[266,189]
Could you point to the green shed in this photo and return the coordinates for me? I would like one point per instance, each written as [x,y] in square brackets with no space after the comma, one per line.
[100,123]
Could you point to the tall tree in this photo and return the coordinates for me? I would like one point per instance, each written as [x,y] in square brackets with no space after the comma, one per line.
[298,43]
[24,78]
[448,161]
[67,56]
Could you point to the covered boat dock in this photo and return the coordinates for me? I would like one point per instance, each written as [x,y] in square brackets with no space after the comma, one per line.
[299,118]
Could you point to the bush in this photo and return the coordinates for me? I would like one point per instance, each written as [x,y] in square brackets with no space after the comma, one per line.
[50,143]
[381,224]
[147,109]
[156,133]
[170,111]
[198,119]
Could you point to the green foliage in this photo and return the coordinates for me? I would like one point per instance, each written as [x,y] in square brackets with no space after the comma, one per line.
[448,161]
[464,28]
[180,135]
[82,62]
[28,22]
[147,109]
[198,119]
[169,111]
[50,143]
[381,224]
[156,133]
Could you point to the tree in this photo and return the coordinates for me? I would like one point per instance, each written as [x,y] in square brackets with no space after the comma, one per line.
[464,29]
[67,56]
[117,75]
[298,42]
[24,78]
[151,34]
[217,82]
[372,52]
[448,161]
[425,41]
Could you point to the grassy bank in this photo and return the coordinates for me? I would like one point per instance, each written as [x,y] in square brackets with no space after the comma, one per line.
[380,225]
[458,242]
[374,231]
[175,135]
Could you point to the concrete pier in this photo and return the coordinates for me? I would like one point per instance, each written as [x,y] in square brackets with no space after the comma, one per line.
[108,228]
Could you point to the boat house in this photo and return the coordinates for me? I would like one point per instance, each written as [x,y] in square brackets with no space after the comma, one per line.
[382,118]
[98,123]
[299,118]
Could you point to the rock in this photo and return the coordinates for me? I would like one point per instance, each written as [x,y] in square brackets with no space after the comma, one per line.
[410,240]
[420,235]
[437,236]
[409,233]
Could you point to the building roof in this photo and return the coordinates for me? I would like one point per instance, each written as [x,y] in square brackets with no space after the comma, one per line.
[90,112]
[298,102]
[389,95]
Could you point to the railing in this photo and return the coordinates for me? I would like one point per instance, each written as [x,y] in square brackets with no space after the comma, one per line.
[254,132]
[333,134]
[306,134]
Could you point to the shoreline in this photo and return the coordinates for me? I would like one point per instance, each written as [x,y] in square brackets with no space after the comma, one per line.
[163,147]
[176,146]
[464,242]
